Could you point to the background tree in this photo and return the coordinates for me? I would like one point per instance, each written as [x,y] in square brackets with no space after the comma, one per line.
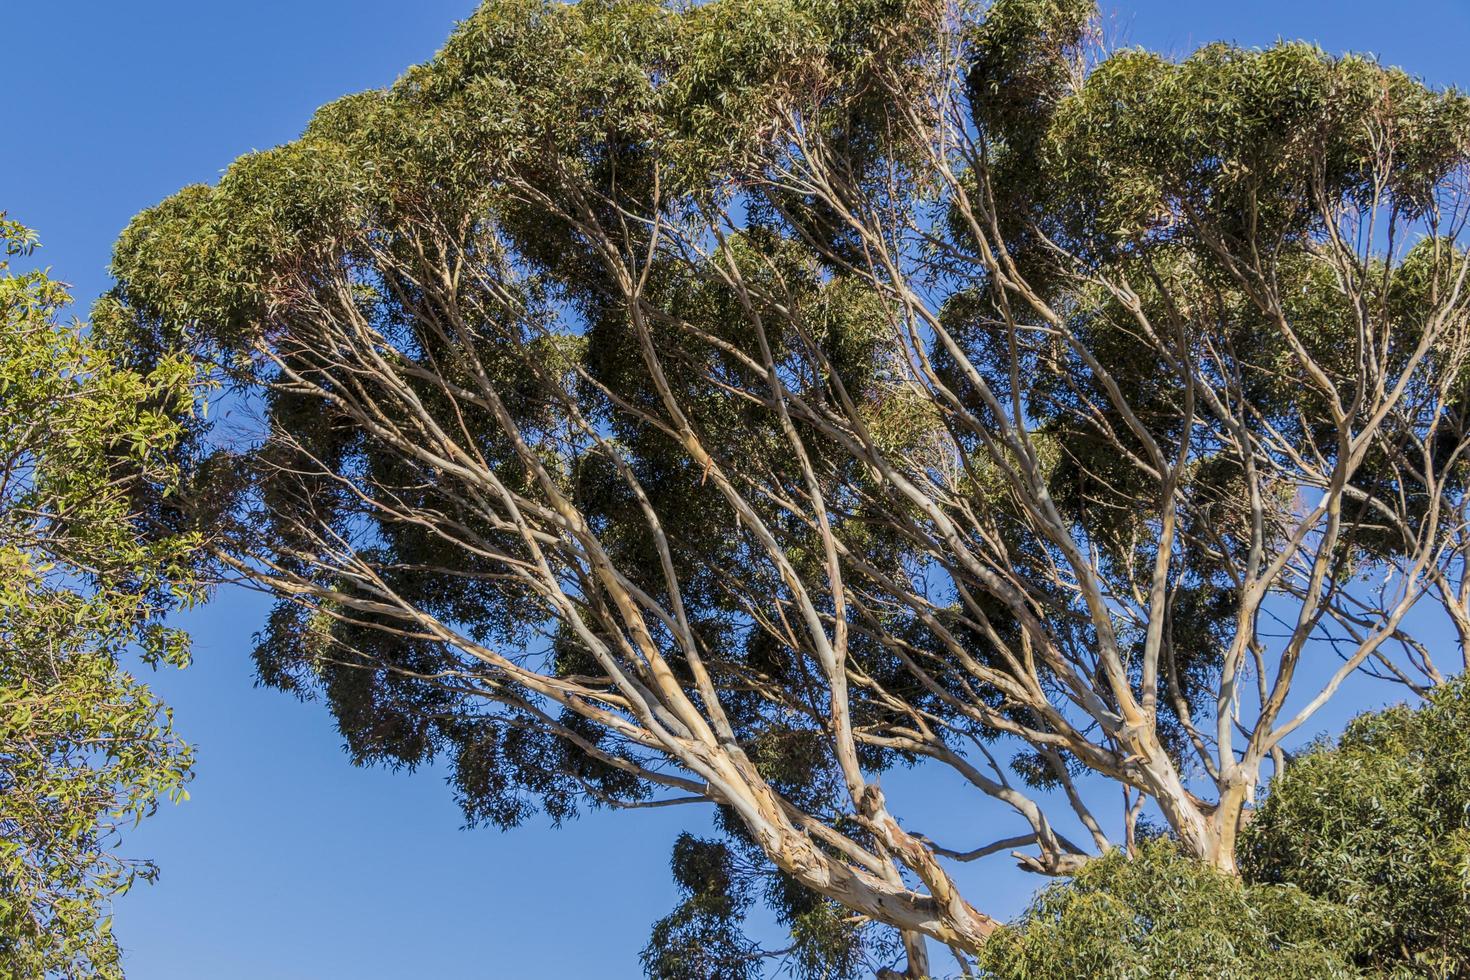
[1379,822]
[1159,913]
[1355,864]
[724,404]
[85,748]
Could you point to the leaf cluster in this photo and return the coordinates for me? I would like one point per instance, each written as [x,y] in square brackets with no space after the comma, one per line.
[1378,821]
[87,578]
[1160,913]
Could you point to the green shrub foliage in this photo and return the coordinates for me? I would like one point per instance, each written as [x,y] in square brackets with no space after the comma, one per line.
[1379,821]
[1163,914]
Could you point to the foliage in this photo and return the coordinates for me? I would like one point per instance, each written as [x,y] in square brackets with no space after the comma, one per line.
[704,938]
[726,403]
[700,940]
[1379,821]
[85,748]
[1161,913]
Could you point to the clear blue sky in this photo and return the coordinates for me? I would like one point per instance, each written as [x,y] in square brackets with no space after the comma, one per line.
[288,864]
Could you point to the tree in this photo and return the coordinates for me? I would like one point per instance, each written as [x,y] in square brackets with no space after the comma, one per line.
[85,748]
[1379,823]
[1161,914]
[725,404]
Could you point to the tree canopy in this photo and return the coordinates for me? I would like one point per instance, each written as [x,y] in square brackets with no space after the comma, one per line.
[726,403]
[1158,913]
[1378,822]
[85,583]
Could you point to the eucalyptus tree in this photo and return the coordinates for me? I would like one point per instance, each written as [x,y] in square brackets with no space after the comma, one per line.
[725,403]
[86,581]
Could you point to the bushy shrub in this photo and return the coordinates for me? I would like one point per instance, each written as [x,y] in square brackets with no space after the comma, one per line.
[1380,822]
[1163,914]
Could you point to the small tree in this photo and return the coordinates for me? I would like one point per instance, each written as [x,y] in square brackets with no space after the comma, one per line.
[723,404]
[84,747]
[1379,822]
[1161,914]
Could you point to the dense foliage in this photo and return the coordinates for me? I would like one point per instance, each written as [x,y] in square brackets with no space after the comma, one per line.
[725,403]
[706,935]
[1357,863]
[85,748]
[1379,822]
[1160,913]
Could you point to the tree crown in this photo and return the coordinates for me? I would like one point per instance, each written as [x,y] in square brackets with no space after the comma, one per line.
[728,403]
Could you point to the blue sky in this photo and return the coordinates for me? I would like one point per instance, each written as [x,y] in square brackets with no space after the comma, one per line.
[287,863]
